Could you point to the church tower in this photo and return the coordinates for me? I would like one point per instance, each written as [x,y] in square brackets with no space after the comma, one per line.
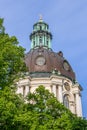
[50,69]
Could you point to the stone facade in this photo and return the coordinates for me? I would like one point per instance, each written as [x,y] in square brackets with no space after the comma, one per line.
[63,89]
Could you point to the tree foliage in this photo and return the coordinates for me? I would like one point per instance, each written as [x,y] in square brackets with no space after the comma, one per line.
[52,115]
[11,58]
[41,112]
[10,104]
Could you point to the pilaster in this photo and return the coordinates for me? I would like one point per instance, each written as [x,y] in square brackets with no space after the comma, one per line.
[60,96]
[54,89]
[78,105]
[26,90]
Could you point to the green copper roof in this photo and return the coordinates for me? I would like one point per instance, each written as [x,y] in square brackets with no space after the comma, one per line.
[41,35]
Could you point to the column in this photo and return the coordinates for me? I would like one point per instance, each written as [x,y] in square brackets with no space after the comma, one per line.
[72,107]
[38,40]
[35,41]
[32,43]
[26,90]
[43,40]
[54,89]
[49,42]
[19,90]
[60,96]
[78,105]
[57,92]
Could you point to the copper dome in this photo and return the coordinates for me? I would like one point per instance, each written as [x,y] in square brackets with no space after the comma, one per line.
[42,60]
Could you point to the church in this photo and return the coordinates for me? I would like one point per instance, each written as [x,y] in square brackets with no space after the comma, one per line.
[50,69]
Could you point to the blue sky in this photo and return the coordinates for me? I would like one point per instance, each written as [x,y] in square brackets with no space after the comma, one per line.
[68,23]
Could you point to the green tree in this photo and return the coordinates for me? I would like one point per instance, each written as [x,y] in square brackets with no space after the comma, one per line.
[41,112]
[44,112]
[2,29]
[10,105]
[11,58]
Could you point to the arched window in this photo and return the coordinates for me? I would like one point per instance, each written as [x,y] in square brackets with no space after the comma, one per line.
[47,41]
[34,43]
[66,101]
[40,40]
[40,27]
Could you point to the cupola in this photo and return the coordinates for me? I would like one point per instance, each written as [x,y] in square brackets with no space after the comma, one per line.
[40,36]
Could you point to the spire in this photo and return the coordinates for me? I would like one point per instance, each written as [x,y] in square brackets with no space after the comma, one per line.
[40,35]
[40,18]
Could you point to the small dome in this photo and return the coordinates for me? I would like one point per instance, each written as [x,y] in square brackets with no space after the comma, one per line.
[42,60]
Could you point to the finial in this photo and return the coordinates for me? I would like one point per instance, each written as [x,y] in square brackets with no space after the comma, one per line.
[40,19]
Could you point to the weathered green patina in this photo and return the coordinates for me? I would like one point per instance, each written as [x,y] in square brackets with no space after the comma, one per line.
[41,35]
